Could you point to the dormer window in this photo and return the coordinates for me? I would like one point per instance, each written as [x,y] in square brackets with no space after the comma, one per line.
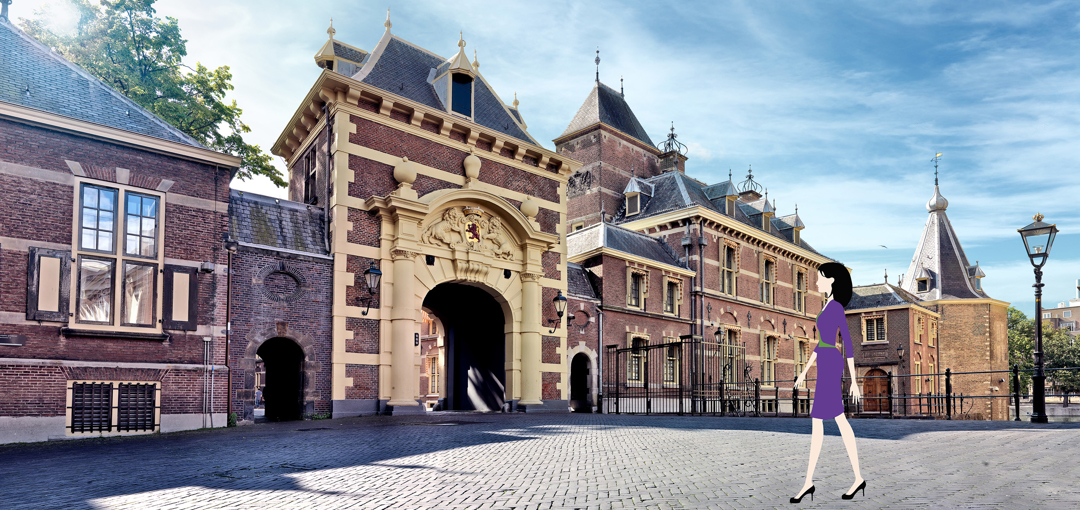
[924,284]
[978,284]
[461,94]
[633,203]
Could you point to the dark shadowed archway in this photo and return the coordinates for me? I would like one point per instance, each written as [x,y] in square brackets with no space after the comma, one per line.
[579,384]
[284,384]
[474,332]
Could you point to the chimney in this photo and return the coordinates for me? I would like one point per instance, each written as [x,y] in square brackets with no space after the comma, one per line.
[3,11]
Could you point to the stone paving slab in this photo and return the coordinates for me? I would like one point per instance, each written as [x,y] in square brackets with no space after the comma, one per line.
[515,461]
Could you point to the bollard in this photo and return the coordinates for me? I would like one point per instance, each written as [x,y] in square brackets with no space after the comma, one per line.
[948,394]
[776,398]
[1016,390]
[757,397]
[794,399]
[888,391]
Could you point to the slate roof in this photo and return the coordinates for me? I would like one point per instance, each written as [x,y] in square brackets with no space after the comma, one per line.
[276,224]
[401,68]
[348,53]
[604,104]
[672,191]
[33,76]
[879,295]
[940,257]
[578,282]
[620,239]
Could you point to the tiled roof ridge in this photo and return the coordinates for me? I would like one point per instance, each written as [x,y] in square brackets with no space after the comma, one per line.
[108,89]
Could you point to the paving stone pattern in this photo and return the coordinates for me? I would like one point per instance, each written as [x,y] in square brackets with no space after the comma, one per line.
[463,460]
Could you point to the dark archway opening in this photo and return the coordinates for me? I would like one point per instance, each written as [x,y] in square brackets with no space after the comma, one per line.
[474,332]
[284,384]
[579,384]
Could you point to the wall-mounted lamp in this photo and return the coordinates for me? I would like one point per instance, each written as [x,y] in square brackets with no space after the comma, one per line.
[560,308]
[372,277]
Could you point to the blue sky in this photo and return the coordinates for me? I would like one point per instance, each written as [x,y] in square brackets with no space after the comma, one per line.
[839,106]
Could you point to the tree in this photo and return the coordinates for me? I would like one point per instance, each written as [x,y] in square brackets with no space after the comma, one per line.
[125,45]
[1021,345]
[1061,351]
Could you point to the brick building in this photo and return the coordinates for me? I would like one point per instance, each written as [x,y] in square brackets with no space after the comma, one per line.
[1066,314]
[881,319]
[425,175]
[973,327]
[112,281]
[670,257]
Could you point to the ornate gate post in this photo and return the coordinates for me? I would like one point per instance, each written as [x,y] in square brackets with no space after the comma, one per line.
[531,389]
[402,327]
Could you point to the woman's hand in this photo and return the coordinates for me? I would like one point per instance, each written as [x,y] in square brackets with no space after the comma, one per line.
[856,393]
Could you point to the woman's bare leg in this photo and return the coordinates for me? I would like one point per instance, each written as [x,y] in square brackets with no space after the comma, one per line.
[816,437]
[849,442]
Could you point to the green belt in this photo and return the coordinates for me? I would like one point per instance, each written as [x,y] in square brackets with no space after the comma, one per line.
[821,343]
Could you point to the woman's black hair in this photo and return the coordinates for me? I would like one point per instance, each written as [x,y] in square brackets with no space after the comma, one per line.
[841,287]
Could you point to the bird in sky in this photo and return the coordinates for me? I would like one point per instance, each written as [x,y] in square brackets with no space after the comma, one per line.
[883,246]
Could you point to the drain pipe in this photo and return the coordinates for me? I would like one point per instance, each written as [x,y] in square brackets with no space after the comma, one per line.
[600,348]
[211,396]
[230,248]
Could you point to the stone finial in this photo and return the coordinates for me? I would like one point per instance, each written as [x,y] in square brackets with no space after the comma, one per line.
[405,172]
[387,24]
[330,31]
[937,202]
[516,103]
[530,208]
[472,165]
[461,40]
[475,62]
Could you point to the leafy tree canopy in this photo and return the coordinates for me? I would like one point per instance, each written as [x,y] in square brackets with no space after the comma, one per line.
[1060,350]
[126,45]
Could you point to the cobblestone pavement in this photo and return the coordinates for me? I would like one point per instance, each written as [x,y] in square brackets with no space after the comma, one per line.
[461,460]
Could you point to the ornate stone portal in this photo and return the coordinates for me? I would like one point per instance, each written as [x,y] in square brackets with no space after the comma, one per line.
[469,228]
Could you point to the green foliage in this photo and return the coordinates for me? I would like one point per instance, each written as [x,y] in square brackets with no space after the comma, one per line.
[124,44]
[231,422]
[1021,345]
[1061,351]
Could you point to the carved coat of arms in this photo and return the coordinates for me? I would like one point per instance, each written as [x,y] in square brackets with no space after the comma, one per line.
[468,228]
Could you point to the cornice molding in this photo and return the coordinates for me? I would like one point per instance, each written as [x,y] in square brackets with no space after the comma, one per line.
[77,127]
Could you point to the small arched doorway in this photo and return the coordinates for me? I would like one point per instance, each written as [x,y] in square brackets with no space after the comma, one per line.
[579,384]
[875,392]
[284,384]
[474,332]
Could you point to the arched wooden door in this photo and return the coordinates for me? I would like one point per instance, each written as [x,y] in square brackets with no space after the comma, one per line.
[875,392]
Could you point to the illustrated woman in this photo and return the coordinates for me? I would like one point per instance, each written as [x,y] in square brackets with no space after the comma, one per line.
[835,283]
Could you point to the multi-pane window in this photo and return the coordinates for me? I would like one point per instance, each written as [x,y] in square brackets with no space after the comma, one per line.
[918,330]
[801,356]
[768,362]
[800,291]
[917,373]
[433,375]
[767,281]
[727,272]
[932,379]
[669,299]
[634,299]
[875,329]
[729,341]
[635,364]
[113,406]
[633,204]
[113,277]
[308,165]
[671,363]
[933,333]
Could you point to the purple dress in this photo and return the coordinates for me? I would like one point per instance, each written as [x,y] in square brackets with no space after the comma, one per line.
[828,395]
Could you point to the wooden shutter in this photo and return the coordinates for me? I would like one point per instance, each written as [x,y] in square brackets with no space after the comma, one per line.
[180,301]
[48,285]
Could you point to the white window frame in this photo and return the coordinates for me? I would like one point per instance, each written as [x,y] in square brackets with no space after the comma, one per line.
[119,259]
[868,324]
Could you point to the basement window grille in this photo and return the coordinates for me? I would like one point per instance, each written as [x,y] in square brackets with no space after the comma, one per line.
[91,407]
[136,409]
[109,406]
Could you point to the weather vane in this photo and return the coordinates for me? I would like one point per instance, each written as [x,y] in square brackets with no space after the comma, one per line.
[935,160]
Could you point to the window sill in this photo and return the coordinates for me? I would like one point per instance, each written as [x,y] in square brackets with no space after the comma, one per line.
[876,342]
[161,337]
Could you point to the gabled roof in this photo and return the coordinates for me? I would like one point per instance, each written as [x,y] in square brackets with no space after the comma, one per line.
[605,105]
[271,223]
[721,190]
[402,68]
[940,258]
[880,295]
[578,283]
[672,191]
[34,76]
[614,237]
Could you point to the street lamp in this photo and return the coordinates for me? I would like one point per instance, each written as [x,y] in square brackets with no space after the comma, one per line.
[1038,238]
[560,308]
[372,277]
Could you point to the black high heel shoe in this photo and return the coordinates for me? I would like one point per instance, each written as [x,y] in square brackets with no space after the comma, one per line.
[809,491]
[851,495]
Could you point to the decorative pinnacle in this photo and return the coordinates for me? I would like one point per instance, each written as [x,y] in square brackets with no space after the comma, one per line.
[388,24]
[621,91]
[461,41]
[330,31]
[935,160]
[597,64]
[516,103]
[1037,217]
[475,62]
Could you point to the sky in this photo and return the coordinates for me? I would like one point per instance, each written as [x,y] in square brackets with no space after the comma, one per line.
[838,106]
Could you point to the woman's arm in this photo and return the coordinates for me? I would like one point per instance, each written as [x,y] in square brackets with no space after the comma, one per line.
[809,363]
[856,392]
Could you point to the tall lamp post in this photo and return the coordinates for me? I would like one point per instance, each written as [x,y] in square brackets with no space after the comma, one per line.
[1038,238]
[899,373]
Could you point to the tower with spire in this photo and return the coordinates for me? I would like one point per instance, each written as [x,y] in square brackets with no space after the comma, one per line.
[973,333]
